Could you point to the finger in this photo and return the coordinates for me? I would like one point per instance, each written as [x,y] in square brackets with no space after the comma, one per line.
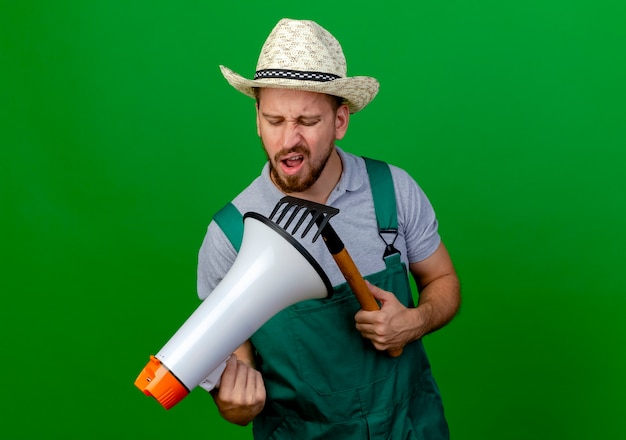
[371,286]
[260,386]
[255,385]
[374,288]
[240,384]
[382,295]
[248,386]
[229,373]
[364,317]
[231,386]
[377,292]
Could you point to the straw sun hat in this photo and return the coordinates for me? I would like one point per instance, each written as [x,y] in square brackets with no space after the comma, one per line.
[301,55]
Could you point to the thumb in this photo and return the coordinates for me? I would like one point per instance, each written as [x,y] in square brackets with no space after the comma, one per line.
[378,293]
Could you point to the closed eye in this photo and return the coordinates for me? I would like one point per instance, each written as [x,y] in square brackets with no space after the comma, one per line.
[274,121]
[309,122]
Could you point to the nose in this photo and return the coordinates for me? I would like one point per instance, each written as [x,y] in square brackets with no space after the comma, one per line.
[292,136]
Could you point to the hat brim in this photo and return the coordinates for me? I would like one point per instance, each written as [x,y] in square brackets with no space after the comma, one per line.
[358,91]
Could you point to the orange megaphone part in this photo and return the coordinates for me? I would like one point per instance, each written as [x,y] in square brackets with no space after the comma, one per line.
[157,381]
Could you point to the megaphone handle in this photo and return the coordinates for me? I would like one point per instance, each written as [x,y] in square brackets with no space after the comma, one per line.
[358,286]
[213,379]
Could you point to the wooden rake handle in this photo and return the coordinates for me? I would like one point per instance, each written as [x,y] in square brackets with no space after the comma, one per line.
[359,287]
[321,215]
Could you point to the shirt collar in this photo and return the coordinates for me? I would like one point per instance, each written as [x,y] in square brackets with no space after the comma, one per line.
[352,176]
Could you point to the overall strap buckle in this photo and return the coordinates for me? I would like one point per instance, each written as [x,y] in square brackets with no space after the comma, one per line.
[390,249]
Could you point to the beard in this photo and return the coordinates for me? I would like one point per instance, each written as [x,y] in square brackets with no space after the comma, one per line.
[297,184]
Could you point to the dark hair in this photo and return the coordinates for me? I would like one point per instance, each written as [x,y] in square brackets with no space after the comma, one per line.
[335,101]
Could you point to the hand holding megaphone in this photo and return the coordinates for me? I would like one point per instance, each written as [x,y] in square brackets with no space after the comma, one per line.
[271,272]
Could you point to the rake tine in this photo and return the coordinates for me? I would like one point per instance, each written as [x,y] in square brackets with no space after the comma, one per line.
[321,224]
[282,214]
[294,214]
[289,208]
[276,208]
[302,218]
[315,215]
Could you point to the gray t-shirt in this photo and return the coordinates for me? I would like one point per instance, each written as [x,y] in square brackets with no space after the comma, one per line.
[355,224]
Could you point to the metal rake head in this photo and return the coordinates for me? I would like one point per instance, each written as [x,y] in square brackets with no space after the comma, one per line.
[292,209]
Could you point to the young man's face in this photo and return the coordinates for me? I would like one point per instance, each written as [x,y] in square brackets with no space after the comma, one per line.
[298,130]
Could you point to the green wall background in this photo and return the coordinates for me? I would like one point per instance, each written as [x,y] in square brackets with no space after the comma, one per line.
[119,138]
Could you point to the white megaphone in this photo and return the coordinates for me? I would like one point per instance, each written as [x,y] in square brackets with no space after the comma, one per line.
[271,272]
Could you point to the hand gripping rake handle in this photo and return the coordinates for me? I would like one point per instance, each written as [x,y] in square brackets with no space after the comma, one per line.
[321,215]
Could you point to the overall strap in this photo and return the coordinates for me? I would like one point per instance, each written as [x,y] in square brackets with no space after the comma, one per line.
[384,197]
[230,220]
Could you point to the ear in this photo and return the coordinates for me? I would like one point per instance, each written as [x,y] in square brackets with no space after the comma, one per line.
[341,122]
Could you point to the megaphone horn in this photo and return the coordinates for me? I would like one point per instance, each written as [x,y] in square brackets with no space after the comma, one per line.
[271,272]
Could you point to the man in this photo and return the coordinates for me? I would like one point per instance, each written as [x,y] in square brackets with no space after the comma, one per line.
[321,367]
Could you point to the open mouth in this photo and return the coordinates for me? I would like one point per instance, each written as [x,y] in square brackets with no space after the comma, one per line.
[292,164]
